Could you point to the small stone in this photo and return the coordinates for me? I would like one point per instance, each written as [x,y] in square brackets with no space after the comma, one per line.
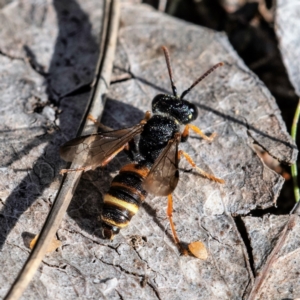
[49,113]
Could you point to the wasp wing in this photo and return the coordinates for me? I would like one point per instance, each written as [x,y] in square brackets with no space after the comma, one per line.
[99,148]
[164,175]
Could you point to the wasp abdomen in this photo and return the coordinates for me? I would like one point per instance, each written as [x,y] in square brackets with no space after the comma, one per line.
[123,199]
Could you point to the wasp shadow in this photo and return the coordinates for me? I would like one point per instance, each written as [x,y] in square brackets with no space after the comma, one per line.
[244,123]
[74,32]
[86,205]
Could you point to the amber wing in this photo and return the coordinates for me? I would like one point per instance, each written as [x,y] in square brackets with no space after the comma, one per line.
[163,176]
[98,148]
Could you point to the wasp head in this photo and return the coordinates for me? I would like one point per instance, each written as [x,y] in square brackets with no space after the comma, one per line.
[183,111]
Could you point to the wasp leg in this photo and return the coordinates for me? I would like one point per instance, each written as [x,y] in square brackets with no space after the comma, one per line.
[104,163]
[106,128]
[91,118]
[202,172]
[170,214]
[185,133]
[63,171]
[147,116]
[98,124]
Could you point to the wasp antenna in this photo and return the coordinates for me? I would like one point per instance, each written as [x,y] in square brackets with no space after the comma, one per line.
[167,56]
[201,78]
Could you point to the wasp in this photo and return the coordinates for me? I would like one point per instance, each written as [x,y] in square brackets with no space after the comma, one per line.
[155,169]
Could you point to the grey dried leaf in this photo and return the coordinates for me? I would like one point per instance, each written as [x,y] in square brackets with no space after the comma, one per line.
[281,281]
[46,41]
[232,102]
[288,33]
[263,234]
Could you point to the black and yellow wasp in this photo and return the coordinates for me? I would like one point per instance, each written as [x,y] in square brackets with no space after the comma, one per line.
[155,169]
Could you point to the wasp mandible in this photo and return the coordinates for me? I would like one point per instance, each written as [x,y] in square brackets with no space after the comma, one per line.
[155,168]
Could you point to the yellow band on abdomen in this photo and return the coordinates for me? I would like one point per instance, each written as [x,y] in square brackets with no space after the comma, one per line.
[143,172]
[112,222]
[121,203]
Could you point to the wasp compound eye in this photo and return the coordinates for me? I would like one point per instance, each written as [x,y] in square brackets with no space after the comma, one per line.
[193,112]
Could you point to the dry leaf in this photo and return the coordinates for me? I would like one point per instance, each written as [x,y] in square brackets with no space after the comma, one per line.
[288,33]
[53,246]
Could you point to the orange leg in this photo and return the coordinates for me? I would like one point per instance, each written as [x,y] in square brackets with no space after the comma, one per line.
[98,124]
[105,128]
[170,214]
[197,248]
[63,171]
[147,115]
[104,163]
[91,118]
[197,130]
[202,172]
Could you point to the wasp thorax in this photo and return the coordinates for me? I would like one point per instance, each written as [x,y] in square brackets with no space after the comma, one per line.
[183,111]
